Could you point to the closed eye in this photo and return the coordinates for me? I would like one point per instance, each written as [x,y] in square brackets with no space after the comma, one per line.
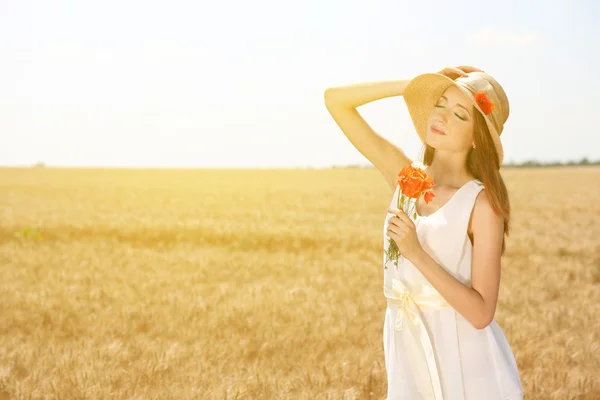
[459,117]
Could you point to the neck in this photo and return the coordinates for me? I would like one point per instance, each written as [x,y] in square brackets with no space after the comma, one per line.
[449,170]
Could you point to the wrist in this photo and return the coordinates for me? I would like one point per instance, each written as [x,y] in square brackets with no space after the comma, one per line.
[419,257]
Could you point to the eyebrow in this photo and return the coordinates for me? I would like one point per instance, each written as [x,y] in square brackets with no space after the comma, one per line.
[460,105]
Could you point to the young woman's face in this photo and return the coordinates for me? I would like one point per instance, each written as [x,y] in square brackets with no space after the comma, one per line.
[453,115]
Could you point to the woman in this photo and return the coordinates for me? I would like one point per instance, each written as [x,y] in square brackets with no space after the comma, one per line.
[440,338]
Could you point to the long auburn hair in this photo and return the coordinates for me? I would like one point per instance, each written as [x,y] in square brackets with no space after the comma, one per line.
[482,163]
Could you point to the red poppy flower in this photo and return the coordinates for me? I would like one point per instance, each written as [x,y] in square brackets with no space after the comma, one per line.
[415,182]
[483,102]
[429,196]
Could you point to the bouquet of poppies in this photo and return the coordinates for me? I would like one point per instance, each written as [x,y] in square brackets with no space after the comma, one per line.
[414,183]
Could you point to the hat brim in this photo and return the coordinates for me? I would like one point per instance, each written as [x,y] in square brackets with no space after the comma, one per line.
[423,92]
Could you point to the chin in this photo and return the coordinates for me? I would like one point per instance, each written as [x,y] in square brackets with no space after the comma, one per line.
[432,137]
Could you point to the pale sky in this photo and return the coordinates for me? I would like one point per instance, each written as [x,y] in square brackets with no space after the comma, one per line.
[240,83]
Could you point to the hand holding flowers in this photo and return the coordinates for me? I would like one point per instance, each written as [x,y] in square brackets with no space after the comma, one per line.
[404,242]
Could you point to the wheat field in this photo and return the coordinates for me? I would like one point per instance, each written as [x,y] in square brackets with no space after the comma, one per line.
[262,284]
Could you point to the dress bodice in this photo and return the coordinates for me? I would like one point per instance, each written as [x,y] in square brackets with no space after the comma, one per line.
[442,234]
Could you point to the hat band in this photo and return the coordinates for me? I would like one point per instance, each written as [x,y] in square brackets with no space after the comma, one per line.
[493,116]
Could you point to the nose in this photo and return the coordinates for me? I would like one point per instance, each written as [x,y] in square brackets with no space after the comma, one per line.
[443,114]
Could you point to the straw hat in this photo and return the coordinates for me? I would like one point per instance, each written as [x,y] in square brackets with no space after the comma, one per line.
[486,95]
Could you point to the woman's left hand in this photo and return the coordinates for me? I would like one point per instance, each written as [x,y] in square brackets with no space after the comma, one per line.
[458,71]
[403,231]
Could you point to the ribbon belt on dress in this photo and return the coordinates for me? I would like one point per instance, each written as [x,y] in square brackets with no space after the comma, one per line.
[411,305]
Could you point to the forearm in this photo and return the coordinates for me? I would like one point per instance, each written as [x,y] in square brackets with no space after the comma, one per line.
[357,94]
[466,301]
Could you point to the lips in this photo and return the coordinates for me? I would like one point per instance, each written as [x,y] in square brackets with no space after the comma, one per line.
[437,130]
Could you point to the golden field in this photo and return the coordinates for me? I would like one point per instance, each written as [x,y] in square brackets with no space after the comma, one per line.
[264,284]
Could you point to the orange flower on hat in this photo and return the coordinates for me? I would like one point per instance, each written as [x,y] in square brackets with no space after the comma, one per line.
[483,102]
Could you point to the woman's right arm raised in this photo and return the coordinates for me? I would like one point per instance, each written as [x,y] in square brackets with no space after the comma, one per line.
[342,101]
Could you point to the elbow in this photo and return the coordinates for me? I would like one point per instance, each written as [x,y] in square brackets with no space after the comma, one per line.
[483,322]
[329,96]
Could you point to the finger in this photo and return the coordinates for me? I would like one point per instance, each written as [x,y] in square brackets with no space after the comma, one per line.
[391,221]
[391,232]
[453,71]
[392,210]
[450,73]
[398,226]
[392,236]
[395,211]
[394,224]
[459,72]
[469,68]
[404,218]
[395,231]
[395,220]
[399,214]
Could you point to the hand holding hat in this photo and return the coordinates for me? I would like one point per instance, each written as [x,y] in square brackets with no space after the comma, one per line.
[457,72]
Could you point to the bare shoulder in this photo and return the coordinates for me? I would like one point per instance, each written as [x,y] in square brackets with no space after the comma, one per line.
[484,221]
[482,204]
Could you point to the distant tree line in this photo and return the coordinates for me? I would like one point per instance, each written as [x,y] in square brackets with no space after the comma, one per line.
[535,163]
[525,164]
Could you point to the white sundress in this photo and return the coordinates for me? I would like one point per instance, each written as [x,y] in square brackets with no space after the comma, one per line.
[431,351]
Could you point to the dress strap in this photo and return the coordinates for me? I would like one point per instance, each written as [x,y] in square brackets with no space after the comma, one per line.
[467,205]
